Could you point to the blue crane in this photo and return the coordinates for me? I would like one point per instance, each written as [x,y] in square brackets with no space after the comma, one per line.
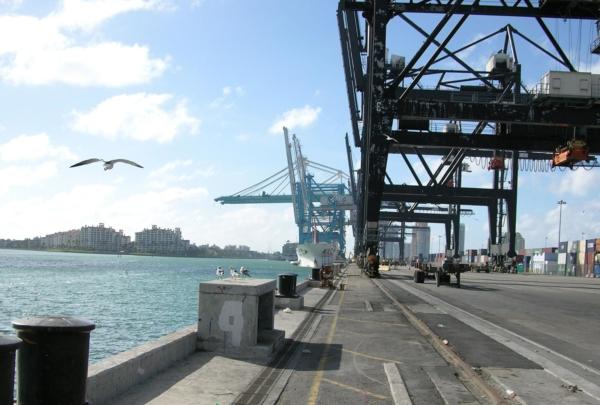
[319,205]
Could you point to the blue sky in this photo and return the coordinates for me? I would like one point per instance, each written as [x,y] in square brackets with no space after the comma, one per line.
[193,91]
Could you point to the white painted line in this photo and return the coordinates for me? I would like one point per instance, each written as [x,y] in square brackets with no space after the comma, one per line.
[397,387]
[368,306]
[525,347]
[449,387]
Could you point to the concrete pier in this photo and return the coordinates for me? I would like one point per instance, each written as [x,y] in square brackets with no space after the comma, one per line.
[236,317]
[389,341]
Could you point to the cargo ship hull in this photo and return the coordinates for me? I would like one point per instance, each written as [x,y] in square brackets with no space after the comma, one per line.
[316,255]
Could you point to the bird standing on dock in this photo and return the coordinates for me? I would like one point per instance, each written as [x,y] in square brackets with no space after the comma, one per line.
[108,164]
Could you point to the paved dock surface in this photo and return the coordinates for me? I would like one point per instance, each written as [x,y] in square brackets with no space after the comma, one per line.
[366,352]
[525,339]
[538,336]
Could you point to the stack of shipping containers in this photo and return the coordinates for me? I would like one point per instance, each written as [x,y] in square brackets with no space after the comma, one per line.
[590,250]
[597,259]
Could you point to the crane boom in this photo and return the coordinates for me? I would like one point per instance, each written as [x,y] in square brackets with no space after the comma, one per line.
[288,152]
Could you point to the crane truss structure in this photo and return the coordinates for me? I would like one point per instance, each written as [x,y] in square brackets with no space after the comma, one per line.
[319,204]
[392,112]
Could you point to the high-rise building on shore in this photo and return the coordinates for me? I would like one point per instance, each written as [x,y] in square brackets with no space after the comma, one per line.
[102,239]
[97,238]
[419,245]
[160,240]
[461,240]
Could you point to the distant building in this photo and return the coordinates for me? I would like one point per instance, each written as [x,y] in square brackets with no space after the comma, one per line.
[419,246]
[102,239]
[519,243]
[288,251]
[461,240]
[96,238]
[160,241]
[61,240]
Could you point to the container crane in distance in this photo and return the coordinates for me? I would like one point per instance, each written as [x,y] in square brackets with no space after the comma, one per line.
[319,205]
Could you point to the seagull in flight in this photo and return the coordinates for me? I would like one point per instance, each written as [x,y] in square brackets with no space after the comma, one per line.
[108,164]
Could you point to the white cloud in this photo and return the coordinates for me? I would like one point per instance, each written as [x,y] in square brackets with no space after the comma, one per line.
[258,227]
[296,118]
[94,203]
[54,49]
[11,3]
[14,176]
[87,14]
[179,171]
[139,116]
[578,182]
[225,101]
[32,147]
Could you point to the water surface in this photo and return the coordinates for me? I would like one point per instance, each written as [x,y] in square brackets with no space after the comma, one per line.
[131,299]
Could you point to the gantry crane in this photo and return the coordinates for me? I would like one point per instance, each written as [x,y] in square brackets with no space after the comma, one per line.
[397,104]
[319,202]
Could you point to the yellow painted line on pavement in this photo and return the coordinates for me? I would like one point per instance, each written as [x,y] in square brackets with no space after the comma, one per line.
[377,322]
[368,356]
[351,388]
[316,384]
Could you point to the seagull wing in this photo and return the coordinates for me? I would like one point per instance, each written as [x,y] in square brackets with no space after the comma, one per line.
[87,162]
[129,162]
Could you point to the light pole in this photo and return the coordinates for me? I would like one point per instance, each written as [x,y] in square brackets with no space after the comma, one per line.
[560,204]
[546,242]
[439,245]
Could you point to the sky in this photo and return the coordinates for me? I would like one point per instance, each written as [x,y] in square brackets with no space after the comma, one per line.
[196,91]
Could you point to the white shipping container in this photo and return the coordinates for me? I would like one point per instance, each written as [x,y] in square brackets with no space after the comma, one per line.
[595,86]
[567,84]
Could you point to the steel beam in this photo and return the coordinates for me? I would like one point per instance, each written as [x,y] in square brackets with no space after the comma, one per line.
[378,124]
[443,195]
[535,139]
[461,107]
[584,10]
[416,217]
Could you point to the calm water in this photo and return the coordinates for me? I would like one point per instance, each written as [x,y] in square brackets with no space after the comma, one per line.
[132,299]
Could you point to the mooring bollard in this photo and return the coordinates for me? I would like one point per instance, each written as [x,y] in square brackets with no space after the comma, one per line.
[316,274]
[286,285]
[53,360]
[8,347]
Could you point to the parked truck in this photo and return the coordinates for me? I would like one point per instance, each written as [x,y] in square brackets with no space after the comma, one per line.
[440,270]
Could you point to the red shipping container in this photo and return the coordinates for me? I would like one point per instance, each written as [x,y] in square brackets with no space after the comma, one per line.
[589,263]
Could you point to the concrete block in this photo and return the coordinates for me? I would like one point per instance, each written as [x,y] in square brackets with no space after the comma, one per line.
[233,313]
[111,377]
[295,303]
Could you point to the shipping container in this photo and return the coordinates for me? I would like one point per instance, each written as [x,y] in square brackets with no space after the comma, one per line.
[563,247]
[580,269]
[589,263]
[590,245]
[566,84]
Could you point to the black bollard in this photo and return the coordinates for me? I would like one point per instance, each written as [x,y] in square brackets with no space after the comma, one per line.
[316,274]
[8,347]
[286,285]
[53,360]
